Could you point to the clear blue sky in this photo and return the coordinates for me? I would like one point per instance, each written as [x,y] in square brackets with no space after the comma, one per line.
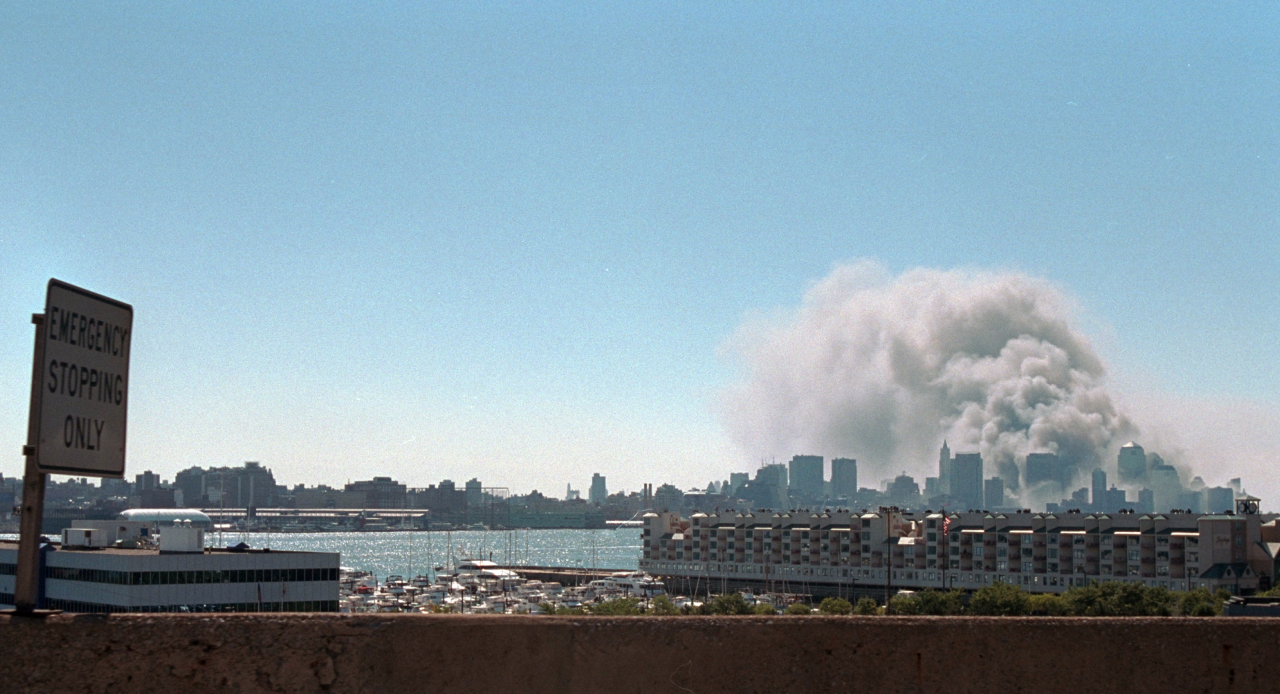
[510,241]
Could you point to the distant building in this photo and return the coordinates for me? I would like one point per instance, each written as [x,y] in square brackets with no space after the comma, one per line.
[444,498]
[145,481]
[806,475]
[1046,471]
[1132,464]
[944,469]
[668,497]
[993,493]
[1099,489]
[903,491]
[1218,499]
[247,486]
[323,496]
[475,493]
[1166,486]
[599,493]
[844,477]
[736,480]
[381,492]
[1146,501]
[966,478]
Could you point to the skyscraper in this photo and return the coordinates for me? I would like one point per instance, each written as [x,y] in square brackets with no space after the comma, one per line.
[1132,463]
[944,469]
[1044,468]
[806,475]
[598,493]
[966,478]
[844,477]
[1099,490]
[993,493]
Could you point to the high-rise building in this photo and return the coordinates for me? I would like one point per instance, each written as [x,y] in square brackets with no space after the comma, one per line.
[145,481]
[966,478]
[380,492]
[1219,499]
[598,493]
[903,491]
[1132,463]
[1146,501]
[1042,469]
[250,485]
[993,493]
[736,480]
[806,475]
[944,469]
[1099,489]
[475,493]
[844,477]
[1167,487]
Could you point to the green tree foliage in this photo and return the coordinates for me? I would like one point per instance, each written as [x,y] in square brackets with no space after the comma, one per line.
[1048,605]
[905,604]
[662,605]
[620,606]
[764,608]
[1117,599]
[1274,592]
[798,608]
[1200,603]
[866,606]
[1000,599]
[729,603]
[938,602]
[835,606]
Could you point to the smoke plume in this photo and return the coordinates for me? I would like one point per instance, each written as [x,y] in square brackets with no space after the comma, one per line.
[883,368]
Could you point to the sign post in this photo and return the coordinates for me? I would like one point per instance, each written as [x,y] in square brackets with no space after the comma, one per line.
[79,407]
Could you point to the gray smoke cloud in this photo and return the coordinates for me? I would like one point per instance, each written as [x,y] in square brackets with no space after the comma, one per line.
[883,368]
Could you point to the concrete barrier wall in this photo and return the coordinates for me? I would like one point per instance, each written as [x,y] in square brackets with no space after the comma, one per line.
[457,653]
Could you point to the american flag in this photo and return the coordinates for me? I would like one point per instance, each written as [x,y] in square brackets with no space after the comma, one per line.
[946,523]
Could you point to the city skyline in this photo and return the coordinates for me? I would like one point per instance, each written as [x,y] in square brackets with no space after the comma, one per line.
[533,244]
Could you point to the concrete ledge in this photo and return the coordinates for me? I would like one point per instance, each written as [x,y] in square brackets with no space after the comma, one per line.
[464,653]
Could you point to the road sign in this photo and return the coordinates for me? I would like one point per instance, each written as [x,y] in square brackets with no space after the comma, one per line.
[84,383]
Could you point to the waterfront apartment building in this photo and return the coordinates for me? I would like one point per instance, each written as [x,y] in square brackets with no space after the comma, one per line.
[826,552]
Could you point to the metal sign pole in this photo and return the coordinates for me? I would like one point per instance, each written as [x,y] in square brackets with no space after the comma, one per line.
[25,592]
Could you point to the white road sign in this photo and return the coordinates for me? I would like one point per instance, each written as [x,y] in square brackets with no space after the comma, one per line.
[84,383]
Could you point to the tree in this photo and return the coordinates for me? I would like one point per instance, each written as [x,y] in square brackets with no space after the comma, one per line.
[1118,599]
[1000,599]
[905,604]
[1048,604]
[835,606]
[662,605]
[764,608]
[621,606]
[866,606]
[937,602]
[729,603]
[798,608]
[1199,603]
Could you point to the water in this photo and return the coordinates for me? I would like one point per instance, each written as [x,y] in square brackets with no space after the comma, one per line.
[413,553]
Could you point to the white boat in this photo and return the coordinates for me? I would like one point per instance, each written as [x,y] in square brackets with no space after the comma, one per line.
[636,584]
